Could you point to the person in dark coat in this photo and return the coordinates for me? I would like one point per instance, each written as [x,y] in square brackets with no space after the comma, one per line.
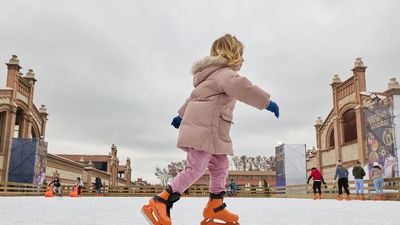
[359,173]
[98,186]
[343,182]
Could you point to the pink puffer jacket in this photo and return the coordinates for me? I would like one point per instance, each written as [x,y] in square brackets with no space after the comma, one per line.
[207,113]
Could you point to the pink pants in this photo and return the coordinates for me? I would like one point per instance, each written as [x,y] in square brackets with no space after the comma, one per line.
[197,162]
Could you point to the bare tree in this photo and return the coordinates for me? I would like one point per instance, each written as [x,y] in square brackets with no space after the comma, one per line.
[251,163]
[258,163]
[175,167]
[236,162]
[163,175]
[244,162]
[271,163]
[263,163]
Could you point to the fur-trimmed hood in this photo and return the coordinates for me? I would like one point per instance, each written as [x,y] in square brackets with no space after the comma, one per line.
[204,67]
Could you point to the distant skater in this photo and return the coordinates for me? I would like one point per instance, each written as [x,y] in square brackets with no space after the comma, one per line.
[56,186]
[377,177]
[98,185]
[359,173]
[317,179]
[343,181]
[79,185]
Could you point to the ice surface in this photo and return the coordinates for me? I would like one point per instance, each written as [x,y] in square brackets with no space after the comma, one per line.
[188,211]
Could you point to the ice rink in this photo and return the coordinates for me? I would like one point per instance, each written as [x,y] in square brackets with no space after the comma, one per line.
[187,211]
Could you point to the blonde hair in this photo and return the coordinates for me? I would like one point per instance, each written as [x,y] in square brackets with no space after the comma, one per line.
[229,47]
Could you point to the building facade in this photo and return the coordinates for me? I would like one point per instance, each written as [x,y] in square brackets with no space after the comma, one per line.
[19,116]
[108,164]
[357,116]
[23,129]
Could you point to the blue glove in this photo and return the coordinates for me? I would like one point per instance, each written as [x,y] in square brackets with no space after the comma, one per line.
[273,107]
[176,122]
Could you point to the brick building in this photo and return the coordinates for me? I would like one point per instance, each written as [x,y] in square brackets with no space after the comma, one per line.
[23,123]
[360,126]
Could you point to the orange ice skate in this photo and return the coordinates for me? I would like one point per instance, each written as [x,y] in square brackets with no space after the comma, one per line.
[215,212]
[49,192]
[157,212]
[340,197]
[74,193]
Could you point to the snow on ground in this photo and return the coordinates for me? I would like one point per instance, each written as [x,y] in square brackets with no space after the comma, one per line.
[188,211]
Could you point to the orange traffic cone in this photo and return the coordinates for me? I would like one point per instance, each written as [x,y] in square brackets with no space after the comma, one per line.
[49,192]
[74,193]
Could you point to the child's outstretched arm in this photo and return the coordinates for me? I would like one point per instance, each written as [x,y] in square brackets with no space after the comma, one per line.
[243,90]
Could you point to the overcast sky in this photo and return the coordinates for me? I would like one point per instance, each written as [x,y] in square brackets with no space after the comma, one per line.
[116,72]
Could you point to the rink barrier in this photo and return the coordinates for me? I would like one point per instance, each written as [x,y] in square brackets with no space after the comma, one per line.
[329,191]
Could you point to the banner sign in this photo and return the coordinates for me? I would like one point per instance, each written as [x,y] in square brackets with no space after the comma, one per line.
[379,131]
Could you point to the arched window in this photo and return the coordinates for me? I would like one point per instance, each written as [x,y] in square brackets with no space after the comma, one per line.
[18,123]
[33,133]
[2,124]
[331,142]
[349,125]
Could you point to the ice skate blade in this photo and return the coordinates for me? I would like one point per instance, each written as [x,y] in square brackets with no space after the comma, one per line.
[212,222]
[150,218]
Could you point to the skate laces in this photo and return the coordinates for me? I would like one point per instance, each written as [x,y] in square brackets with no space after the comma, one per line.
[219,208]
[218,196]
[172,198]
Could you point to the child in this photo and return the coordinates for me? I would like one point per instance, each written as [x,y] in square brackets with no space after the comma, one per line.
[79,185]
[359,173]
[343,181]
[233,187]
[204,121]
[317,178]
[56,186]
[377,177]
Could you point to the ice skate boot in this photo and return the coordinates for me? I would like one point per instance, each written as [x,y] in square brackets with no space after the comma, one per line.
[157,212]
[317,196]
[340,197]
[348,198]
[216,214]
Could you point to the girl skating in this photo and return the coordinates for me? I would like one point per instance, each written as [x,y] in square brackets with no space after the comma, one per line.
[204,123]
